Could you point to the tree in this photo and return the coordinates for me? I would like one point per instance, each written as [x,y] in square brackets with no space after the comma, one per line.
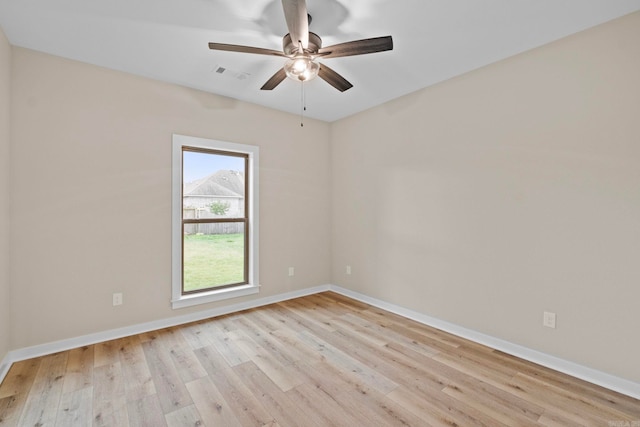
[219,208]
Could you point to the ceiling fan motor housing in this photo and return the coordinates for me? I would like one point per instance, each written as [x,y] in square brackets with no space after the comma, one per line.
[290,48]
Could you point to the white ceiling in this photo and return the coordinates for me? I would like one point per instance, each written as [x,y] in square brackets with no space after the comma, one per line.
[434,40]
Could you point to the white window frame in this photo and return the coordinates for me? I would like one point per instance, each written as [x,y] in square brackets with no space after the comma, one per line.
[178,300]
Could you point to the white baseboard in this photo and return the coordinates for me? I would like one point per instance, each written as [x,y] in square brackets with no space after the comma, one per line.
[594,376]
[603,379]
[5,364]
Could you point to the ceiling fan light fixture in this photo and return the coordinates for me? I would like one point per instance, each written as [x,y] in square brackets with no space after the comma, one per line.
[301,68]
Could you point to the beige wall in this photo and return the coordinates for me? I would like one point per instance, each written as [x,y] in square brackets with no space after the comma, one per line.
[91,194]
[5,92]
[500,194]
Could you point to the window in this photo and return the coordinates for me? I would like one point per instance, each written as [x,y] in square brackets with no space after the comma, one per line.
[215,221]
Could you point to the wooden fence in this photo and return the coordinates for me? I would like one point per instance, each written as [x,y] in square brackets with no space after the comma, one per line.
[217,228]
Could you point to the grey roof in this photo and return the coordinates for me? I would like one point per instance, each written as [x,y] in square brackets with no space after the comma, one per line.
[226,183]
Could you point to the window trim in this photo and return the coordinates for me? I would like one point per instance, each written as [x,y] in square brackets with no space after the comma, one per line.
[180,300]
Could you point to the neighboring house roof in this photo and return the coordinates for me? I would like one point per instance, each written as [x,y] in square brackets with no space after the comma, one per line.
[225,183]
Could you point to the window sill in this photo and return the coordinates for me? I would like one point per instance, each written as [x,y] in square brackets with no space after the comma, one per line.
[216,295]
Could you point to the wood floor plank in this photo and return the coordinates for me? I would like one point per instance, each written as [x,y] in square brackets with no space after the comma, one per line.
[375,357]
[109,399]
[348,304]
[75,408]
[211,360]
[446,408]
[263,317]
[263,337]
[15,388]
[187,364]
[79,372]
[343,325]
[138,382]
[390,363]
[577,386]
[394,321]
[416,369]
[329,378]
[296,350]
[226,323]
[320,408]
[20,377]
[402,362]
[246,407]
[169,387]
[473,369]
[193,334]
[499,409]
[218,337]
[375,409]
[319,360]
[390,335]
[118,418]
[281,407]
[356,397]
[146,412]
[487,394]
[41,407]
[550,418]
[565,408]
[317,310]
[306,316]
[187,416]
[587,407]
[347,364]
[282,375]
[107,352]
[10,409]
[211,404]
[433,334]
[287,318]
[420,408]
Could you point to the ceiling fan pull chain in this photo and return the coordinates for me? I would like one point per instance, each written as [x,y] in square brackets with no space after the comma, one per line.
[303,104]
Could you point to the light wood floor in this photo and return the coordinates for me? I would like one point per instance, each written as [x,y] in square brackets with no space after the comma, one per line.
[321,360]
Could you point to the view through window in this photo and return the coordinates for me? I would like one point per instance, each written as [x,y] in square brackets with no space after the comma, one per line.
[214,221]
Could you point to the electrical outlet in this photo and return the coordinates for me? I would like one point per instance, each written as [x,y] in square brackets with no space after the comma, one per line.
[291,271]
[348,269]
[117,299]
[549,319]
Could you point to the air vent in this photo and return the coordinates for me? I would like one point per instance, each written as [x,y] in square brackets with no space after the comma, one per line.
[224,71]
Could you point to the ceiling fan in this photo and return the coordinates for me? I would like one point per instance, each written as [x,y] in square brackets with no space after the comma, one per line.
[302,48]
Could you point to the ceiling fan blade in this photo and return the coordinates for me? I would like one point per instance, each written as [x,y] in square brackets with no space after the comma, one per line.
[295,13]
[275,80]
[333,78]
[357,47]
[244,49]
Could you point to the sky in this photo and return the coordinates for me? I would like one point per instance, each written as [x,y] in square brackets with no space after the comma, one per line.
[198,165]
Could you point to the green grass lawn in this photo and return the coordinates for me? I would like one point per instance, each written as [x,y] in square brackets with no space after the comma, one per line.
[213,260]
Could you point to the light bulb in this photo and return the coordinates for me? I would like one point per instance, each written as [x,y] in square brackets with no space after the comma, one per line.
[299,65]
[301,68]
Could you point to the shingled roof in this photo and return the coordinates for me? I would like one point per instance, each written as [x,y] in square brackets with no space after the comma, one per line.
[225,183]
